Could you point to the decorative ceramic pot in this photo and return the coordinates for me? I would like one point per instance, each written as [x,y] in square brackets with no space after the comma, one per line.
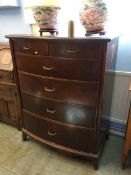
[93,15]
[46,16]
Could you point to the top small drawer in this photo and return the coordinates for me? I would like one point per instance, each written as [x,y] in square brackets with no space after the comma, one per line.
[75,49]
[33,47]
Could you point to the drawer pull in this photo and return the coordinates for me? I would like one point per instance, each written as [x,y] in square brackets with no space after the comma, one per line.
[51,133]
[72,51]
[49,90]
[50,111]
[26,48]
[36,52]
[47,68]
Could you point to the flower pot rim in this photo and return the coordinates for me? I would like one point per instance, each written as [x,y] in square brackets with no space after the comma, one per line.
[42,6]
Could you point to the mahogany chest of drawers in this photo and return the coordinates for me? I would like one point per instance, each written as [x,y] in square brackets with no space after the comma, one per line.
[60,83]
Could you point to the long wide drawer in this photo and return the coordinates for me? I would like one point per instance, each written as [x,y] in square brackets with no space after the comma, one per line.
[79,92]
[69,136]
[66,113]
[61,68]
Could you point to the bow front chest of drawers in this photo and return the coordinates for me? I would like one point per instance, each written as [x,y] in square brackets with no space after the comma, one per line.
[60,83]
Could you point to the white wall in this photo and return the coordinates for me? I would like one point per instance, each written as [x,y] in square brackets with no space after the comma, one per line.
[12,22]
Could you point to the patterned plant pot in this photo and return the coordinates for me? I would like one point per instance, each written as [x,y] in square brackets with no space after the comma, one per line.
[93,15]
[46,16]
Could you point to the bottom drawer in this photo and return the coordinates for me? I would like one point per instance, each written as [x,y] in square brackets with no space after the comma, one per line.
[65,135]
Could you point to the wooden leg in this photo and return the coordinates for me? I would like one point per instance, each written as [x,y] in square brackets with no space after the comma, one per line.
[95,162]
[123,161]
[24,136]
[124,155]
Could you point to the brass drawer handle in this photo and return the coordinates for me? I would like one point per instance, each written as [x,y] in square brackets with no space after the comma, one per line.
[47,68]
[72,51]
[51,133]
[26,48]
[50,111]
[49,90]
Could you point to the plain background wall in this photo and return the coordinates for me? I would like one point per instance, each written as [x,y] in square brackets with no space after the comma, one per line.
[12,22]
[124,54]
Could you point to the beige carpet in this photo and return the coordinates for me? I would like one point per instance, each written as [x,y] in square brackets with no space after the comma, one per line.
[31,158]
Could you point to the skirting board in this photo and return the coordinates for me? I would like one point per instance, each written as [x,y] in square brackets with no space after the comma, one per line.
[117,127]
[117,105]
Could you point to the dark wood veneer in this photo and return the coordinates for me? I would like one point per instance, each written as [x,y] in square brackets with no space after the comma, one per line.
[9,107]
[60,134]
[58,67]
[60,83]
[67,113]
[59,89]
[26,46]
[76,49]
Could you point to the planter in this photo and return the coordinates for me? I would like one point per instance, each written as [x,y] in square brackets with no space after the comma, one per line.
[93,15]
[46,17]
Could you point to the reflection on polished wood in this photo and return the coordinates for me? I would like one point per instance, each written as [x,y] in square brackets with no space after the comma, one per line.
[60,90]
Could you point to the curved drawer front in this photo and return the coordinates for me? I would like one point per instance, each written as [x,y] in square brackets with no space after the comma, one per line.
[61,68]
[76,49]
[33,47]
[67,91]
[72,137]
[66,113]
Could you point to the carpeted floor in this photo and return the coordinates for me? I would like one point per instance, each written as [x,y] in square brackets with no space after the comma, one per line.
[31,158]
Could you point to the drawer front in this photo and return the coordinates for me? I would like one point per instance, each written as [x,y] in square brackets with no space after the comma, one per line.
[61,68]
[66,113]
[72,137]
[76,49]
[33,47]
[6,76]
[3,111]
[67,91]
[5,92]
